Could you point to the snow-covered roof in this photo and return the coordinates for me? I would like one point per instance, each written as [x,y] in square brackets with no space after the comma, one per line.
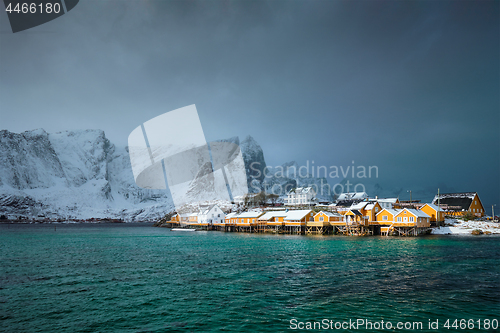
[360,195]
[297,214]
[344,196]
[415,212]
[301,190]
[391,211]
[269,215]
[386,200]
[231,215]
[239,198]
[369,206]
[462,200]
[469,195]
[433,206]
[359,205]
[420,213]
[249,214]
[326,213]
[352,196]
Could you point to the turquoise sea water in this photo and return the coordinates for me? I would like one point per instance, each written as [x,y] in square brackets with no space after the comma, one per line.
[136,278]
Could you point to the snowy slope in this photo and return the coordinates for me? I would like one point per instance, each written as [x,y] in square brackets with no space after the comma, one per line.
[72,175]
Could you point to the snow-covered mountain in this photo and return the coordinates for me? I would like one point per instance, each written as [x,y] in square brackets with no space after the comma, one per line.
[81,174]
[72,175]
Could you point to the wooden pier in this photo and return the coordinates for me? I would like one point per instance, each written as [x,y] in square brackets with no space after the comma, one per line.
[355,222]
[346,229]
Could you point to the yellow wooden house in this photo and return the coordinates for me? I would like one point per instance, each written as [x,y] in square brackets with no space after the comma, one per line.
[295,220]
[248,218]
[412,218]
[273,218]
[371,210]
[403,222]
[357,214]
[321,219]
[323,222]
[436,214]
[328,217]
[457,204]
[298,217]
[193,218]
[385,217]
[230,218]
[184,217]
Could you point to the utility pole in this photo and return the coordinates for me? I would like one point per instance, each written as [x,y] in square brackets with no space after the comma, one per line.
[410,195]
[439,208]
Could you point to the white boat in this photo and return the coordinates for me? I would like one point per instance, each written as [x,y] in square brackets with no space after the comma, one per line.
[182,229]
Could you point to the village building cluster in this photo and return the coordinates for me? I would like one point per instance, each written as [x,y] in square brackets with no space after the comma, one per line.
[350,214]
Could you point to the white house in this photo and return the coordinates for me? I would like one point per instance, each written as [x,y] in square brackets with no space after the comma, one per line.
[386,203]
[211,215]
[301,196]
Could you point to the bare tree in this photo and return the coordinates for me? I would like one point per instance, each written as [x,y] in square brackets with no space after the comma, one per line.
[273,197]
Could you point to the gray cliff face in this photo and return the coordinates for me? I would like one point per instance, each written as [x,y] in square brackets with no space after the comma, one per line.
[278,180]
[71,174]
[289,175]
[253,156]
[28,160]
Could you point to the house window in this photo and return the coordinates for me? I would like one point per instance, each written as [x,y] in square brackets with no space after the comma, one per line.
[321,219]
[218,215]
[384,217]
[376,209]
[242,220]
[399,219]
[253,221]
[412,219]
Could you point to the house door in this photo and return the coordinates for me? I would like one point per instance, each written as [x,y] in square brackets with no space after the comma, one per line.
[405,219]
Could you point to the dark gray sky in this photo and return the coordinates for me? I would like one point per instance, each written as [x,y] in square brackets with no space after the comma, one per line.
[409,86]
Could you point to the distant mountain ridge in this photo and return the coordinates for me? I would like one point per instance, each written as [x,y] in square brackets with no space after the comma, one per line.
[81,174]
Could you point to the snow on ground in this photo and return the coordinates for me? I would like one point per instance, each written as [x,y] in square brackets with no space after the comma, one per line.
[459,227]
